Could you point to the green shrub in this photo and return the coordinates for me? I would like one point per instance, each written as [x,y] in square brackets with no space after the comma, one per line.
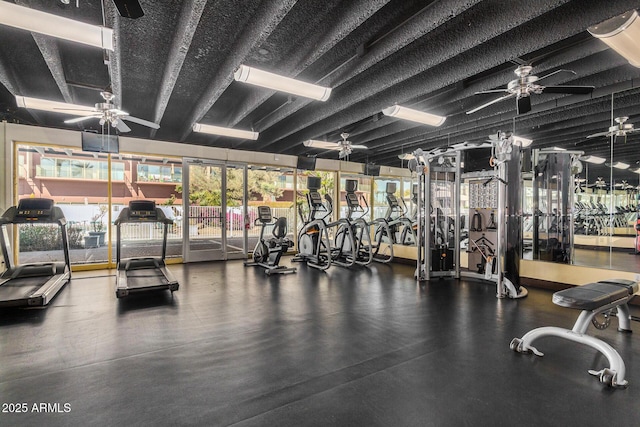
[47,238]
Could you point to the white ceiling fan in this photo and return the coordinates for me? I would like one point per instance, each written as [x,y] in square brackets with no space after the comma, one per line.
[106,112]
[622,128]
[527,84]
[345,147]
[599,184]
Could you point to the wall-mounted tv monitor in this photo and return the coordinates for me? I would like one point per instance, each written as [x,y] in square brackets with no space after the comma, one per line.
[98,143]
[306,163]
[371,170]
[477,160]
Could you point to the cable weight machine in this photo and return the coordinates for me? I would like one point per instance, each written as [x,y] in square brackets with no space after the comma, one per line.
[439,182]
[438,214]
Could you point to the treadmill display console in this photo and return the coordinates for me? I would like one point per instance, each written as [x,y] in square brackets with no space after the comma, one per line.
[34,209]
[142,209]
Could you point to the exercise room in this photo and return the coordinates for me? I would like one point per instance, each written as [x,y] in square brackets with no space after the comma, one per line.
[304,212]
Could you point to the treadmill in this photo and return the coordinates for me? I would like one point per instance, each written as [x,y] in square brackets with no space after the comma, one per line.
[32,285]
[143,274]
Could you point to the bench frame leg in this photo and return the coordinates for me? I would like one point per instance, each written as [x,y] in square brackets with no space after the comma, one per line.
[615,374]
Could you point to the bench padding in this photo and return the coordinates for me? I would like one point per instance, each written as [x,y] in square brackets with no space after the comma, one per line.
[595,295]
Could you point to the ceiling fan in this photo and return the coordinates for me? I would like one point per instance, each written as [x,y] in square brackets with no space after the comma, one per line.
[600,184]
[579,182]
[624,185]
[620,129]
[527,84]
[345,147]
[106,112]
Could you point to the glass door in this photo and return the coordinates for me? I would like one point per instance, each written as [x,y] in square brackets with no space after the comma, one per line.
[214,210]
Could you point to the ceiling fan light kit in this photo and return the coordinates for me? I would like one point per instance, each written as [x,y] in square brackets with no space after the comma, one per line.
[273,81]
[56,26]
[622,34]
[414,115]
[222,131]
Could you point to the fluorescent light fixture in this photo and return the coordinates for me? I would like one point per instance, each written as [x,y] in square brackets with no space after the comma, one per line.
[218,130]
[54,106]
[414,115]
[56,26]
[621,165]
[636,170]
[622,34]
[520,141]
[593,159]
[263,78]
[558,149]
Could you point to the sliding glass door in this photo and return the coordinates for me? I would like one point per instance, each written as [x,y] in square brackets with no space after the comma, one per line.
[214,221]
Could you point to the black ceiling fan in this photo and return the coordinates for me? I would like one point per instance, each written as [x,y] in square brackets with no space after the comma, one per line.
[527,84]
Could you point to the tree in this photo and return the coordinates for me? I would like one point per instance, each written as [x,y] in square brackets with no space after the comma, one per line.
[205,186]
[265,183]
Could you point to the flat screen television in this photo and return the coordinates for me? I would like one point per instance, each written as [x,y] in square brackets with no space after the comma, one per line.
[371,170]
[306,163]
[477,160]
[98,143]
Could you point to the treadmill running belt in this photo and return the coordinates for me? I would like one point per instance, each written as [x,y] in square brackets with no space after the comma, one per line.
[145,278]
[21,288]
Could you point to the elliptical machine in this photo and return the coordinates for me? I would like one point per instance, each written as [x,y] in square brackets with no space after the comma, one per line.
[268,251]
[408,234]
[314,246]
[353,239]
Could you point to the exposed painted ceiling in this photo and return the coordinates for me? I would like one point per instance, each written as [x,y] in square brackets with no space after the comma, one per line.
[174,66]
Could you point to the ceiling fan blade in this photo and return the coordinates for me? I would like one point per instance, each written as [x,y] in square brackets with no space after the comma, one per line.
[511,95]
[406,156]
[122,126]
[81,119]
[599,134]
[322,144]
[141,122]
[491,91]
[572,90]
[359,147]
[556,72]
[52,106]
[523,104]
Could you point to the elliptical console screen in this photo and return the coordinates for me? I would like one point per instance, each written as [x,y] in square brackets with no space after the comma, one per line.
[142,209]
[264,213]
[314,182]
[34,209]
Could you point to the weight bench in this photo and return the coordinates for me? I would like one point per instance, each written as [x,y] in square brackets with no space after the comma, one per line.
[592,299]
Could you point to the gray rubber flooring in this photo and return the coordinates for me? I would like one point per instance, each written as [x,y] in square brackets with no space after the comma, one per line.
[349,347]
